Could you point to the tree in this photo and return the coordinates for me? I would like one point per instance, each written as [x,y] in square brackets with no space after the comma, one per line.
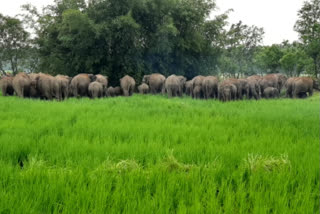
[241,42]
[268,58]
[308,27]
[14,41]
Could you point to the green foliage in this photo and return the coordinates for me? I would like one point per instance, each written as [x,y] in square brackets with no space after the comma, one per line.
[147,153]
[14,43]
[268,58]
[133,37]
[308,27]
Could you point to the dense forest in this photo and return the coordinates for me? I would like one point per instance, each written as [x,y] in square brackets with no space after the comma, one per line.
[138,37]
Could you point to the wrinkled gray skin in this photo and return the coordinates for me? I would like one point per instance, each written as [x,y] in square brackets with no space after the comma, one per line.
[188,88]
[254,87]
[281,81]
[127,84]
[21,85]
[245,90]
[303,85]
[197,82]
[271,93]
[118,91]
[104,81]
[227,91]
[289,86]
[80,83]
[143,88]
[155,81]
[174,85]
[95,90]
[6,86]
[210,87]
[47,87]
[64,85]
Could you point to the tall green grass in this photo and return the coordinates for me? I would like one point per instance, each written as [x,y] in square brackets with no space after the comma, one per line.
[151,154]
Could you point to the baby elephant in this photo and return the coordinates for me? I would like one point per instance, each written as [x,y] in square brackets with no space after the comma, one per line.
[143,88]
[95,90]
[271,92]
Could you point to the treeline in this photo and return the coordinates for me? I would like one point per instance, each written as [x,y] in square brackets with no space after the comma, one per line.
[138,37]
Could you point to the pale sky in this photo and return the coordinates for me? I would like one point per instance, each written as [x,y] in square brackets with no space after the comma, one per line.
[277,17]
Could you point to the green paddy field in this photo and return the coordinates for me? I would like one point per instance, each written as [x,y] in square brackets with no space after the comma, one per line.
[151,154]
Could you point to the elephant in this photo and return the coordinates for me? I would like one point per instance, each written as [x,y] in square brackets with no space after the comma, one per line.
[80,83]
[197,81]
[188,88]
[64,85]
[95,89]
[127,84]
[33,88]
[118,91]
[7,86]
[289,86]
[237,84]
[143,88]
[47,86]
[104,81]
[197,92]
[273,80]
[21,84]
[271,93]
[254,86]
[210,87]
[302,85]
[245,88]
[281,81]
[174,85]
[155,81]
[227,91]
[110,92]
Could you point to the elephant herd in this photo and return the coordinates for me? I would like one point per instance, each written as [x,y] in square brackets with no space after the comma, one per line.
[45,86]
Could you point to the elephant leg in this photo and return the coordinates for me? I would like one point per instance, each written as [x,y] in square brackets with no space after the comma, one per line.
[310,92]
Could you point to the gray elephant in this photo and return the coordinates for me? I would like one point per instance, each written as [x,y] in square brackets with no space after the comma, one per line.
[227,91]
[127,84]
[64,86]
[95,90]
[104,81]
[303,85]
[197,82]
[143,88]
[289,86]
[118,91]
[236,83]
[155,81]
[33,88]
[6,86]
[245,88]
[273,80]
[210,87]
[21,85]
[47,86]
[80,83]
[271,92]
[197,92]
[174,85]
[254,86]
[110,92]
[188,88]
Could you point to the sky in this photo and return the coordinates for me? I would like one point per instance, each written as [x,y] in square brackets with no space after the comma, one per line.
[277,17]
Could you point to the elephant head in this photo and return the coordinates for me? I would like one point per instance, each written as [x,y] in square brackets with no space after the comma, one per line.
[145,79]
